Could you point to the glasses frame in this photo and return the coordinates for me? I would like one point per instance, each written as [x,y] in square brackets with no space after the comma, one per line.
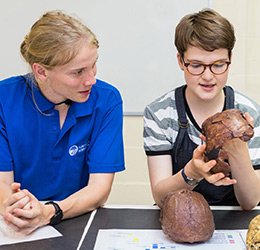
[206,66]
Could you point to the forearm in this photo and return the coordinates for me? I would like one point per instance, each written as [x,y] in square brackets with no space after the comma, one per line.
[170,184]
[27,220]
[162,180]
[83,201]
[6,180]
[5,190]
[247,188]
[87,199]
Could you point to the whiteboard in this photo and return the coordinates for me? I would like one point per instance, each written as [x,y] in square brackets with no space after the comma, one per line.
[136,54]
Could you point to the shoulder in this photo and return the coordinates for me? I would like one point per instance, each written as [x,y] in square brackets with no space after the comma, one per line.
[246,104]
[11,81]
[163,105]
[12,87]
[161,116]
[160,124]
[103,89]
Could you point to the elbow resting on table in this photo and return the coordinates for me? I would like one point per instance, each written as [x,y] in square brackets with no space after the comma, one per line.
[248,207]
[102,197]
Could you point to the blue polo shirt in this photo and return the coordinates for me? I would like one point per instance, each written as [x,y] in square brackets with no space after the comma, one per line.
[49,162]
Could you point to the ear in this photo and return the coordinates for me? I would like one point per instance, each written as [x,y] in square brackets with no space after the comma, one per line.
[231,54]
[179,59]
[40,72]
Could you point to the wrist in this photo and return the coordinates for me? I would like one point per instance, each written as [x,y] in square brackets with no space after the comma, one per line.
[49,212]
[191,172]
[55,213]
[190,181]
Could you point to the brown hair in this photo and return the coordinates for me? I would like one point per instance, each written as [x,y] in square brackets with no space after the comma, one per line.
[55,39]
[206,29]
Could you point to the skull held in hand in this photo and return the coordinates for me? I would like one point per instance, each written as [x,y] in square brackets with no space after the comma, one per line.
[186,217]
[220,128]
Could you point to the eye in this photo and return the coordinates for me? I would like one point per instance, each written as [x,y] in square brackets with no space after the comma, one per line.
[78,72]
[195,65]
[219,64]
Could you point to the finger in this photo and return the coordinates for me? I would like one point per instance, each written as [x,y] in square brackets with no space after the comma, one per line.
[12,199]
[12,226]
[18,204]
[203,137]
[226,181]
[27,193]
[25,213]
[18,224]
[249,119]
[209,165]
[14,222]
[215,178]
[27,206]
[23,221]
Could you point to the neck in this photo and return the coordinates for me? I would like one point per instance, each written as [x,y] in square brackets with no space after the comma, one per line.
[202,109]
[214,104]
[67,102]
[47,93]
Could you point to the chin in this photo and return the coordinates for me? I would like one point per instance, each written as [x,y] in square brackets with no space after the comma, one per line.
[81,100]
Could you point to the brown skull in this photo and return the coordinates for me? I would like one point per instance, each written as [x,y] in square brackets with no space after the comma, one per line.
[220,128]
[186,217]
[253,234]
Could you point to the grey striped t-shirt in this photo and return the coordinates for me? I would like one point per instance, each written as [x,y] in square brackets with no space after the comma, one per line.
[161,125]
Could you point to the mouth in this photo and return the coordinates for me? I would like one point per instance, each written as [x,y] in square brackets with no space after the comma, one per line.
[207,86]
[85,92]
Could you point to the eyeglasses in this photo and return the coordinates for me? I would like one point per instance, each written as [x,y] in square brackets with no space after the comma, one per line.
[217,68]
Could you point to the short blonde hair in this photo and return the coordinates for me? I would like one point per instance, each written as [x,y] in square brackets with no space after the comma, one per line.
[55,39]
[206,29]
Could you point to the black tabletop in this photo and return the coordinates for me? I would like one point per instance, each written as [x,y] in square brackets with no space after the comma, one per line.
[122,218]
[71,229]
[149,219]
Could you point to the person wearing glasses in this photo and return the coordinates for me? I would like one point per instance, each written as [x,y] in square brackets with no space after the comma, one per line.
[60,128]
[172,123]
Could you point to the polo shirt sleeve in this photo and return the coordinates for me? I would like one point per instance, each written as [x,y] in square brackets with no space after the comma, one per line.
[106,154]
[6,161]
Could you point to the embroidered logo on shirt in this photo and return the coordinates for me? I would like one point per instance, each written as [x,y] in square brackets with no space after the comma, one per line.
[73,150]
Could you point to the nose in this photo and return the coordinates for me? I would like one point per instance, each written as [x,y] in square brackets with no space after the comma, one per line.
[90,78]
[207,74]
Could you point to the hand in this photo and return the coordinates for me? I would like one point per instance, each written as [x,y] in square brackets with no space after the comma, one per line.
[17,199]
[236,147]
[25,219]
[201,169]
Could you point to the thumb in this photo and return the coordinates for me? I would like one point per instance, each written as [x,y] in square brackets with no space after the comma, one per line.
[249,119]
[198,152]
[15,187]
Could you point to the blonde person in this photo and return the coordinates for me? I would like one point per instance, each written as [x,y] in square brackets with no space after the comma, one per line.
[60,128]
[172,123]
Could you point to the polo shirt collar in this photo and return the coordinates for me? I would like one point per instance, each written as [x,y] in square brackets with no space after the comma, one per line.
[84,108]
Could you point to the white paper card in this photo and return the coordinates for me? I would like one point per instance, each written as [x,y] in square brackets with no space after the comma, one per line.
[155,239]
[9,236]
